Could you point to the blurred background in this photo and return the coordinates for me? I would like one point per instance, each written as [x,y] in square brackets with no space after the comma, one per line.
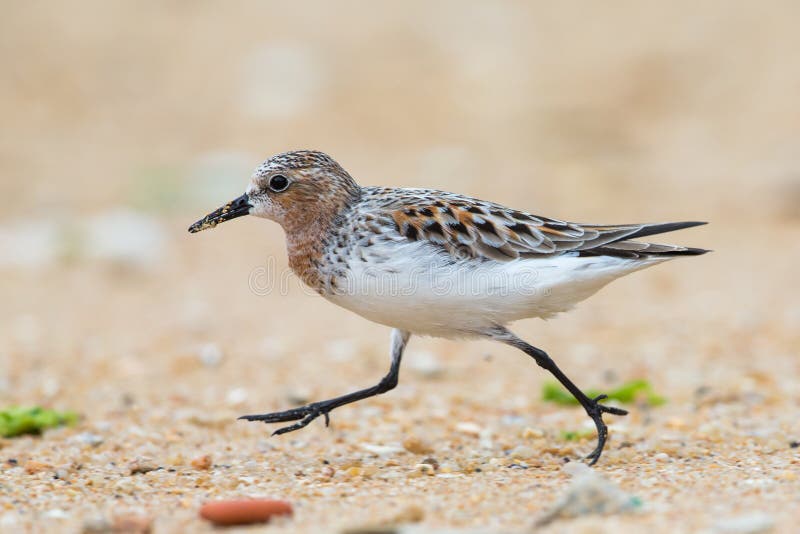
[123,122]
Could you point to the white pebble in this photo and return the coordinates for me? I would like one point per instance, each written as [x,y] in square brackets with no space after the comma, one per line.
[56,513]
[210,354]
[426,364]
[755,523]
[87,438]
[382,450]
[236,396]
[29,244]
[7,520]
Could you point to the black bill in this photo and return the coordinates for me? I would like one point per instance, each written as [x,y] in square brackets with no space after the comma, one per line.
[235,208]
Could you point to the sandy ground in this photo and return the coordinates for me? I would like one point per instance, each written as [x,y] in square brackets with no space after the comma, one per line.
[126,124]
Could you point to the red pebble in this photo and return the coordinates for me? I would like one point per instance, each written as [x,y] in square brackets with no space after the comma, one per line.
[243,511]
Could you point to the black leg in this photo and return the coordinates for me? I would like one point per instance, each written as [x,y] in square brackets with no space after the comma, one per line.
[592,406]
[305,414]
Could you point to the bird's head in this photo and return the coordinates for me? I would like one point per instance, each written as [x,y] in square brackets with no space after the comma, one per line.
[297,189]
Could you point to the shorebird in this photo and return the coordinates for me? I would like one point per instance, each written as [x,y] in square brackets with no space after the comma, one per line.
[433,263]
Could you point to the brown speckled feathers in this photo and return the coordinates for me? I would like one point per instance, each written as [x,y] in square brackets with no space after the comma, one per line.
[471,228]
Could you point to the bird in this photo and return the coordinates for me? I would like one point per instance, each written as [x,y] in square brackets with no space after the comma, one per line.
[432,263]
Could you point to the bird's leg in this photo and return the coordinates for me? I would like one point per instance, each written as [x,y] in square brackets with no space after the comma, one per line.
[305,414]
[592,406]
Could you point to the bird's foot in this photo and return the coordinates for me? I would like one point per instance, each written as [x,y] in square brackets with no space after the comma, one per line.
[596,411]
[303,415]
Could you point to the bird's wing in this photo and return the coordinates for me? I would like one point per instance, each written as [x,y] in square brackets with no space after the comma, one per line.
[470,228]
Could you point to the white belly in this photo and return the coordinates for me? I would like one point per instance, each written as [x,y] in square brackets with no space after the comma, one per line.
[417,288]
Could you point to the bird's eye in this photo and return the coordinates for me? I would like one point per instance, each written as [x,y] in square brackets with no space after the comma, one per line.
[278,183]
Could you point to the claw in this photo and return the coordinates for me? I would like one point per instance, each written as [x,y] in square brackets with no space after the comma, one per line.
[305,414]
[277,417]
[596,411]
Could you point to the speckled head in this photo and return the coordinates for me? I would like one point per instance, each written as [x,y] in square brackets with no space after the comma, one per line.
[300,190]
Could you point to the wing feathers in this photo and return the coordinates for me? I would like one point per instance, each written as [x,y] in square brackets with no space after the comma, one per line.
[465,226]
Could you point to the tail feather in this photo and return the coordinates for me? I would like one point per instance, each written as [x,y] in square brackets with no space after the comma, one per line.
[661,228]
[637,249]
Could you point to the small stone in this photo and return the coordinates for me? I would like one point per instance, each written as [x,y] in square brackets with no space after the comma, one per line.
[327,472]
[132,524]
[202,462]
[298,396]
[532,433]
[87,438]
[211,420]
[755,523]
[415,445]
[589,493]
[410,514]
[522,452]
[64,472]
[32,467]
[56,513]
[354,471]
[469,428]
[210,355]
[96,525]
[661,457]
[425,469]
[243,511]
[427,365]
[433,462]
[142,465]
[236,396]
[676,423]
[381,450]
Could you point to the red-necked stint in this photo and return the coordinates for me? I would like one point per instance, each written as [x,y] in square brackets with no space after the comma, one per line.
[433,263]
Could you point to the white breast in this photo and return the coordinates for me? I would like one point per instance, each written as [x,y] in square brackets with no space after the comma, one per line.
[415,286]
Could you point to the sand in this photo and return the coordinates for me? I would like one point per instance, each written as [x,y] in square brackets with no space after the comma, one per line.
[131,122]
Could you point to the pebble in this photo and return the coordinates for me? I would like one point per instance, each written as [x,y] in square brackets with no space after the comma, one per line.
[390,525]
[410,514]
[32,467]
[589,493]
[142,465]
[469,428]
[381,450]
[236,396]
[96,525]
[327,472]
[424,469]
[210,355]
[56,513]
[415,445]
[202,462]
[243,511]
[426,365]
[532,433]
[522,451]
[298,396]
[755,523]
[87,438]
[132,524]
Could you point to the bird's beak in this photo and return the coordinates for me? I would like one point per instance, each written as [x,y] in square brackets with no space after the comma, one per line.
[235,208]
